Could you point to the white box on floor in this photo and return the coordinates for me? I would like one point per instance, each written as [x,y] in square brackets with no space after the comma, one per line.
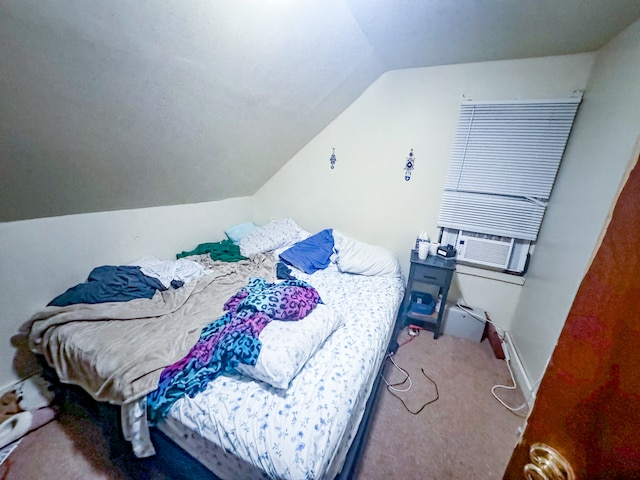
[460,323]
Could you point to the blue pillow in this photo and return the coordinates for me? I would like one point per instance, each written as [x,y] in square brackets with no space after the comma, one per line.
[237,232]
[311,254]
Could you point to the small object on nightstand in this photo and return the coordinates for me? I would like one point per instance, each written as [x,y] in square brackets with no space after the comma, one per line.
[423,249]
[446,251]
[422,303]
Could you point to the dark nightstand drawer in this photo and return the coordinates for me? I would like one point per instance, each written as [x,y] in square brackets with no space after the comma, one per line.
[425,273]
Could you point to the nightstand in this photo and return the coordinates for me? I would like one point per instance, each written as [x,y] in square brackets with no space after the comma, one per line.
[434,275]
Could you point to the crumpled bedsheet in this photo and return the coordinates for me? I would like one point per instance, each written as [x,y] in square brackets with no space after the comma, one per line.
[116,351]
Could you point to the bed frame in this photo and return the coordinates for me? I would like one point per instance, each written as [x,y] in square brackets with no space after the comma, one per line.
[171,459]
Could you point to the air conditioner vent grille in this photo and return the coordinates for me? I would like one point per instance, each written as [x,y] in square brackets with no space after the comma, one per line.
[488,250]
[486,236]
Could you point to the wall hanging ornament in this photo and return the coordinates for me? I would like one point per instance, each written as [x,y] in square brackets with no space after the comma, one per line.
[408,166]
[332,160]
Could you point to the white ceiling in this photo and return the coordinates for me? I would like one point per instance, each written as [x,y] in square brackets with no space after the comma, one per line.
[120,104]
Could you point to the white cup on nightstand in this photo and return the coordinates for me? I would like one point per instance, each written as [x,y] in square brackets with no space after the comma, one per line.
[423,249]
[433,248]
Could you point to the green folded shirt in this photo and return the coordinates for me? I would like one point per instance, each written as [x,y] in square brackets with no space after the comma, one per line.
[225,251]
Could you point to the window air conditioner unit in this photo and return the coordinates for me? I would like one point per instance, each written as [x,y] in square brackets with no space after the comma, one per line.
[488,250]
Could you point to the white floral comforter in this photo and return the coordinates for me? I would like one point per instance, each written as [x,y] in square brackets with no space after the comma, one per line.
[304,431]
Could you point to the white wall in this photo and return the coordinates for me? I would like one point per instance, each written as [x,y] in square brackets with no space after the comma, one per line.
[42,258]
[601,146]
[366,194]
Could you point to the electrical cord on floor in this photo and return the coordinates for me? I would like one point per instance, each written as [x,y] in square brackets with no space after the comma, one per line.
[513,410]
[502,335]
[413,333]
[393,387]
[423,406]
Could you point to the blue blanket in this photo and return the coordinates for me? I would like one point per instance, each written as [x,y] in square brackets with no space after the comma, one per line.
[311,254]
[110,284]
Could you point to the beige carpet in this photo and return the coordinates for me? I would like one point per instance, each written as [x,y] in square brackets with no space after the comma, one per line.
[465,434]
[71,447]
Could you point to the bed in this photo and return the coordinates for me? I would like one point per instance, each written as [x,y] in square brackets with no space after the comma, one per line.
[298,409]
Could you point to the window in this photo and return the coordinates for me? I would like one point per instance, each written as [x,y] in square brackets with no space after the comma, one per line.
[503,165]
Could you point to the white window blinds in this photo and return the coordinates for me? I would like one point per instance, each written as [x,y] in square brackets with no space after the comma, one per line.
[503,165]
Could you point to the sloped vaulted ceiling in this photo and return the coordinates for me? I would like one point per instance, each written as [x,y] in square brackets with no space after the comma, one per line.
[123,104]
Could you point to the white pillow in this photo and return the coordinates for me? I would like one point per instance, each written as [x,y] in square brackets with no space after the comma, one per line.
[354,256]
[273,235]
[286,346]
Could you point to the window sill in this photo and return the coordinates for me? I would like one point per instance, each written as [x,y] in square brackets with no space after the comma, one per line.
[490,274]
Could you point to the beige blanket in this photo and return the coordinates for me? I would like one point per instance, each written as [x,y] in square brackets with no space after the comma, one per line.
[116,351]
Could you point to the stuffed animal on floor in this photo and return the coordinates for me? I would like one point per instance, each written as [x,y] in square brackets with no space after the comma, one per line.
[25,409]
[18,425]
[9,405]
[34,392]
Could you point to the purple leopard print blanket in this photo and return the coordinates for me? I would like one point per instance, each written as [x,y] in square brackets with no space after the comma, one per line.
[231,339]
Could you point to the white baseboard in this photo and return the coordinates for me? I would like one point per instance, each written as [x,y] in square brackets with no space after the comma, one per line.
[519,372]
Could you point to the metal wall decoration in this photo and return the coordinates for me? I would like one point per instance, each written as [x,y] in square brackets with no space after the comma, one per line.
[409,166]
[332,160]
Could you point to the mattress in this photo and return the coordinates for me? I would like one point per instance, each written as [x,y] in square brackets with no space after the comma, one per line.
[243,428]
